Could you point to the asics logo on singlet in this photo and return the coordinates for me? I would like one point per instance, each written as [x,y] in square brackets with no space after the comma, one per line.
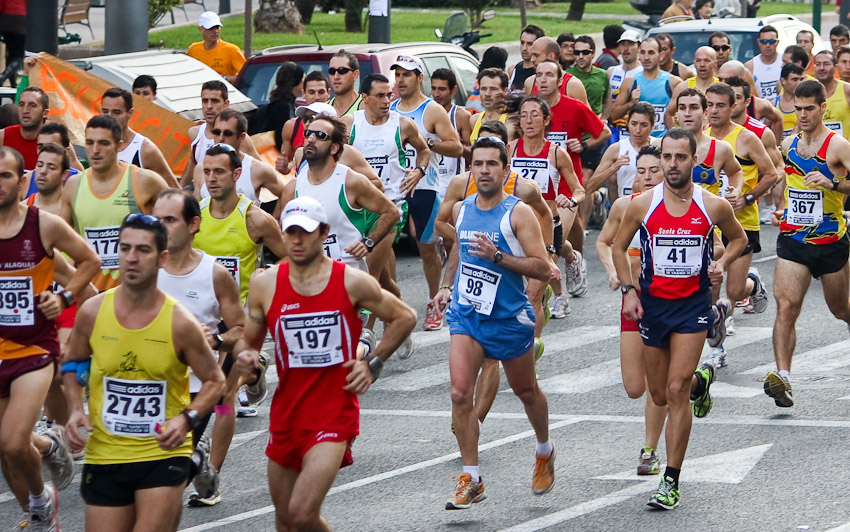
[466,234]
[378,160]
[293,306]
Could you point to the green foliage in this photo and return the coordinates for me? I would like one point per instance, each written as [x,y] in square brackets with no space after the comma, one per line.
[158,9]
[474,9]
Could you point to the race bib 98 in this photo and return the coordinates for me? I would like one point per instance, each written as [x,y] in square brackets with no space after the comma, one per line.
[478,286]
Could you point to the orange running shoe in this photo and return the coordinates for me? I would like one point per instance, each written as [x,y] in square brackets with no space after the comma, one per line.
[467,493]
[544,473]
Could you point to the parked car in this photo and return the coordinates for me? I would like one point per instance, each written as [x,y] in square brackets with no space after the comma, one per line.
[743,32]
[257,77]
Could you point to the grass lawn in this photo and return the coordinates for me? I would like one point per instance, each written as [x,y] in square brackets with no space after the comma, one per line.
[622,7]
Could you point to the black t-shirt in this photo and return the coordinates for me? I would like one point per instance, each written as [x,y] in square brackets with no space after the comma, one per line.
[520,75]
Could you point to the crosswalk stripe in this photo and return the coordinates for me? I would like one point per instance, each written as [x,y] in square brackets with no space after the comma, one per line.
[820,360]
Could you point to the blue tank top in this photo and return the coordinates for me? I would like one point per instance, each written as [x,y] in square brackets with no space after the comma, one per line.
[656,92]
[429,182]
[483,286]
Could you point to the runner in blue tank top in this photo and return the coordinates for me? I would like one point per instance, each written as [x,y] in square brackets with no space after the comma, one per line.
[499,243]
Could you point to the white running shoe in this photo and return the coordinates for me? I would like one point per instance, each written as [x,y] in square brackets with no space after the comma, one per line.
[759,298]
[730,326]
[405,351]
[60,463]
[718,357]
[577,275]
[560,306]
[45,518]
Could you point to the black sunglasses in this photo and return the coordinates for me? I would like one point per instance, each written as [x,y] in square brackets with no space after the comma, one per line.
[722,48]
[768,41]
[583,52]
[320,135]
[146,219]
[341,71]
[223,132]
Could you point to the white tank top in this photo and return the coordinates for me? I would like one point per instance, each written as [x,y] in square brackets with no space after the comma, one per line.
[430,180]
[448,167]
[618,75]
[767,77]
[196,292]
[347,224]
[626,174]
[201,143]
[132,153]
[244,185]
[381,146]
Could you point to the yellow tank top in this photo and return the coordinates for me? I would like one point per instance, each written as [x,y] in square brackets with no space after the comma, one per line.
[789,120]
[136,382]
[229,243]
[692,81]
[837,115]
[97,219]
[749,216]
[471,189]
[477,127]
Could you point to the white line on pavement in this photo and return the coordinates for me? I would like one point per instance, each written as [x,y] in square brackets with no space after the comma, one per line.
[820,360]
[764,259]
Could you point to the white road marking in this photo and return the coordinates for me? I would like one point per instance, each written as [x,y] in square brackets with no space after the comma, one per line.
[764,259]
[821,360]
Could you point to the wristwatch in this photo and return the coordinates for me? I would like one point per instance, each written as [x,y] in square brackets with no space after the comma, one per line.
[368,242]
[750,199]
[67,298]
[624,289]
[376,365]
[497,256]
[552,249]
[835,183]
[421,169]
[192,417]
[218,341]
[584,145]
[431,143]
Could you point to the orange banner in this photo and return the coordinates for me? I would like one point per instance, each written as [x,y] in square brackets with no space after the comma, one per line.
[75,97]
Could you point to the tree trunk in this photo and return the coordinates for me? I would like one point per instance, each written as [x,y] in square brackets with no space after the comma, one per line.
[576,10]
[306,8]
[278,16]
[353,16]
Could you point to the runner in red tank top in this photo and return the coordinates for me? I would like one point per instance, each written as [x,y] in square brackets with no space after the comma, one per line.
[676,221]
[310,304]
[32,109]
[548,48]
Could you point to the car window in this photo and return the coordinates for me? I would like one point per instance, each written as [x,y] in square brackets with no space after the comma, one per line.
[259,78]
[467,72]
[744,44]
[432,63]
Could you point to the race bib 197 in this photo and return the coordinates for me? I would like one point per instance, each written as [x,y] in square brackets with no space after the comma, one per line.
[104,242]
[677,256]
[133,408]
[17,306]
[314,340]
[478,286]
[805,207]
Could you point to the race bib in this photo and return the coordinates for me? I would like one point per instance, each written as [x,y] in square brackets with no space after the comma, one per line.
[17,306]
[104,242]
[477,286]
[559,138]
[381,167]
[232,265]
[314,340]
[838,127]
[769,90]
[678,256]
[659,125]
[805,207]
[409,158]
[331,247]
[133,408]
[535,169]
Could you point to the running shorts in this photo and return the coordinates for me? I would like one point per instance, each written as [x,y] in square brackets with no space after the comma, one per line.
[627,325]
[117,484]
[558,235]
[402,218]
[753,243]
[820,259]
[287,448]
[663,317]
[13,368]
[67,318]
[591,157]
[501,338]
[423,206]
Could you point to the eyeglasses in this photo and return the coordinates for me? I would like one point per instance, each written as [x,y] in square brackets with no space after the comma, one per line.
[224,132]
[341,71]
[768,41]
[146,219]
[583,52]
[721,48]
[320,135]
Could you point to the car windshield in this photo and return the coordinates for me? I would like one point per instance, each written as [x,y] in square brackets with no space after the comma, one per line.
[744,45]
[258,79]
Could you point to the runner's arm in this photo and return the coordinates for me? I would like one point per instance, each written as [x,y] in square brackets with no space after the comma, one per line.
[268,178]
[282,164]
[529,192]
[263,229]
[575,89]
[78,349]
[767,171]
[186,177]
[230,306]
[608,166]
[606,239]
[151,184]
[352,158]
[410,135]
[724,218]
[56,234]
[371,199]
[565,167]
[624,100]
[449,144]
[247,349]
[69,191]
[535,264]
[619,252]
[454,193]
[248,147]
[154,160]
[444,294]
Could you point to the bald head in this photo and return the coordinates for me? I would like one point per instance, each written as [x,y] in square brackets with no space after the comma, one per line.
[706,52]
[732,68]
[544,48]
[705,60]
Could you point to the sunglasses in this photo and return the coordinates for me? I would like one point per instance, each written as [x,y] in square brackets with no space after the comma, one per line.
[341,71]
[145,219]
[497,140]
[722,48]
[223,146]
[320,135]
[768,41]
[583,52]
[224,132]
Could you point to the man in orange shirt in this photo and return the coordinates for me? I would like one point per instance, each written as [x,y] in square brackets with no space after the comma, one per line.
[223,57]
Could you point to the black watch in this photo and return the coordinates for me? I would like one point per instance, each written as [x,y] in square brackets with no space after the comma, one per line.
[750,199]
[368,242]
[497,256]
[67,298]
[624,289]
[835,183]
[431,143]
[376,365]
[218,341]
[552,249]
[421,169]
[192,417]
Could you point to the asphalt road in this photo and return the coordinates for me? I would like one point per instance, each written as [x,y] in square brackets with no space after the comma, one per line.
[750,466]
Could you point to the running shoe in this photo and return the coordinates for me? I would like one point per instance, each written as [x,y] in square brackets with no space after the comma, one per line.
[41,426]
[368,341]
[206,478]
[560,306]
[746,305]
[649,463]
[257,392]
[538,348]
[778,387]
[246,411]
[717,333]
[577,275]
[433,318]
[60,463]
[544,473]
[467,493]
[701,404]
[243,397]
[598,214]
[718,357]
[45,518]
[546,295]
[196,501]
[24,523]
[730,326]
[405,351]
[759,298]
[666,497]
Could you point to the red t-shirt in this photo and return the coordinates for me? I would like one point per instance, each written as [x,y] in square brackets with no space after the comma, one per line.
[27,148]
[574,118]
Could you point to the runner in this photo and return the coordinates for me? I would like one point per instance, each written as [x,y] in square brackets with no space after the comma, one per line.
[58,134]
[232,227]
[837,115]
[135,147]
[704,60]
[138,460]
[791,76]
[617,74]
[548,48]
[806,41]
[524,69]
[33,107]
[674,307]
[632,365]
[666,55]
[843,61]
[721,44]
[493,87]
[443,90]
[315,412]
[343,70]
[767,65]
[207,290]
[231,128]
[490,316]
[812,242]
[95,201]
[316,90]
[29,346]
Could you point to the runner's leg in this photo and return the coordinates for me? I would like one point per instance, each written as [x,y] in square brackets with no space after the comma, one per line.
[466,357]
[790,283]
[159,508]
[520,375]
[112,518]
[685,351]
[835,289]
[318,471]
[486,388]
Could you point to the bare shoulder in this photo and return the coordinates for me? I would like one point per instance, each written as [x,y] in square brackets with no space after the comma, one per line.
[87,312]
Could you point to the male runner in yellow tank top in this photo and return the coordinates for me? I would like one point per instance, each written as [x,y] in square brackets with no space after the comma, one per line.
[837,115]
[95,201]
[493,87]
[138,458]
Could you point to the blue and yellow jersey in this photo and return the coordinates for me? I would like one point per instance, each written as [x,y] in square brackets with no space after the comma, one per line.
[703,173]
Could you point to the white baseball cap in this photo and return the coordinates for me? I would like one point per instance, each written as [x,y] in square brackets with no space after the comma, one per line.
[630,35]
[209,20]
[408,62]
[315,107]
[305,212]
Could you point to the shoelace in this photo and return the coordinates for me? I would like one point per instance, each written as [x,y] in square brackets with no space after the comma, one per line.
[461,486]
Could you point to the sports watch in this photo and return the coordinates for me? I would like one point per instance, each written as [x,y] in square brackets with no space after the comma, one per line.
[368,242]
[497,256]
[624,289]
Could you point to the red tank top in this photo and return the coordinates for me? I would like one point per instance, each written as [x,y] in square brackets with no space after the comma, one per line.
[314,336]
[553,188]
[564,80]
[27,148]
[297,139]
[756,126]
[25,271]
